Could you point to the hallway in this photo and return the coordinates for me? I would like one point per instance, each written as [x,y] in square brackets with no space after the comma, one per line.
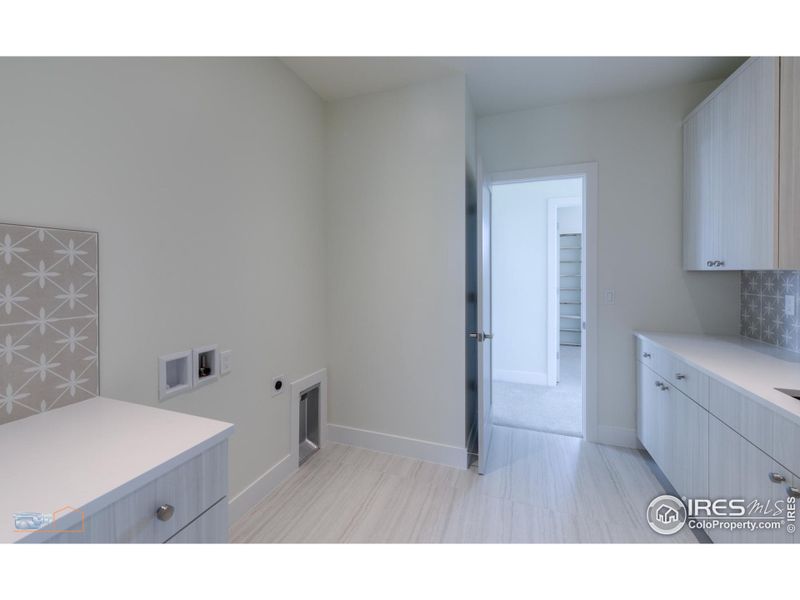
[540,407]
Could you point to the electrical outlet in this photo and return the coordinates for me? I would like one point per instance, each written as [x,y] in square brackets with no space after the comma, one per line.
[225,360]
[609,296]
[277,385]
[788,305]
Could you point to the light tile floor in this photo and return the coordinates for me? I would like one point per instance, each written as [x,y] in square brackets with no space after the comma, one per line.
[540,487]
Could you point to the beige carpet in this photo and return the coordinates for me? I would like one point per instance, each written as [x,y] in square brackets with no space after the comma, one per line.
[542,408]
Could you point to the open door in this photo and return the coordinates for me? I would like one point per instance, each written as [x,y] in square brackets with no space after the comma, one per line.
[483,333]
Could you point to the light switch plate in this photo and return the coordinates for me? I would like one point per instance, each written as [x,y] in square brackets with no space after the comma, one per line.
[225,362]
[788,305]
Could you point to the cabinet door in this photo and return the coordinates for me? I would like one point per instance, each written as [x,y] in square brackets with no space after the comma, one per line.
[730,199]
[701,223]
[647,409]
[739,470]
[746,165]
[688,442]
[789,250]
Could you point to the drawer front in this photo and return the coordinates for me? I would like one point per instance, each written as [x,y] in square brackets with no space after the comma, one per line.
[191,488]
[653,356]
[130,520]
[209,528]
[745,416]
[688,380]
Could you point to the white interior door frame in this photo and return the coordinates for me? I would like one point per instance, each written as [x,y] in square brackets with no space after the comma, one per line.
[588,172]
[553,273]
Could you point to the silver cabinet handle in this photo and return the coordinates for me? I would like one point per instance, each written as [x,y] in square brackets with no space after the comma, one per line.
[659,384]
[680,376]
[776,478]
[646,355]
[165,512]
[793,492]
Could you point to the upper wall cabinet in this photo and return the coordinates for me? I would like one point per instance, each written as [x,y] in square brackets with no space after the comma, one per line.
[741,191]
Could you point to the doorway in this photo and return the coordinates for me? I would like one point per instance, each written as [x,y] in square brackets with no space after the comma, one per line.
[541,273]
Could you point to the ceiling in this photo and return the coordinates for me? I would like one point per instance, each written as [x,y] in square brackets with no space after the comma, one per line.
[498,84]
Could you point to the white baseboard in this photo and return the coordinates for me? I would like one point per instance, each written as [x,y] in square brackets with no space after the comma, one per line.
[617,436]
[260,488]
[529,377]
[451,456]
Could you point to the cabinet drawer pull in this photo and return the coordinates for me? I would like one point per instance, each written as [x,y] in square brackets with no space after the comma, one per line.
[646,355]
[165,512]
[776,478]
[680,376]
[793,491]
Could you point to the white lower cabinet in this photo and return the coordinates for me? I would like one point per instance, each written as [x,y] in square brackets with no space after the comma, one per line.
[674,430]
[739,470]
[188,503]
[729,453]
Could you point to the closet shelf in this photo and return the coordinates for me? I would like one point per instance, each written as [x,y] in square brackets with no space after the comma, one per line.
[573,283]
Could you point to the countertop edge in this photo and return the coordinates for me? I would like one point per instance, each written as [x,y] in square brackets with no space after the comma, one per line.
[106,499]
[761,400]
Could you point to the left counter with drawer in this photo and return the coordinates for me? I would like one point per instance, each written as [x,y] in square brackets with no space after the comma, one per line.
[106,471]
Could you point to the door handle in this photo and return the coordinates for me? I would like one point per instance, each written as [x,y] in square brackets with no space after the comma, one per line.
[480,336]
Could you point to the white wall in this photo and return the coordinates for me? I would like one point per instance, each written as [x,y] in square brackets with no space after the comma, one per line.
[395,183]
[204,179]
[636,141]
[570,219]
[519,277]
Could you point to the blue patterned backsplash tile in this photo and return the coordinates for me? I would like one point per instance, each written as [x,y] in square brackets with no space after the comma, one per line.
[763,307]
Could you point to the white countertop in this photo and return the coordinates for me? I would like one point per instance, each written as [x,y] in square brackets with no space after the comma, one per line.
[753,368]
[89,454]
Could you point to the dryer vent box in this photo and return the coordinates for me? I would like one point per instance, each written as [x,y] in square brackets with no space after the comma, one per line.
[309,423]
